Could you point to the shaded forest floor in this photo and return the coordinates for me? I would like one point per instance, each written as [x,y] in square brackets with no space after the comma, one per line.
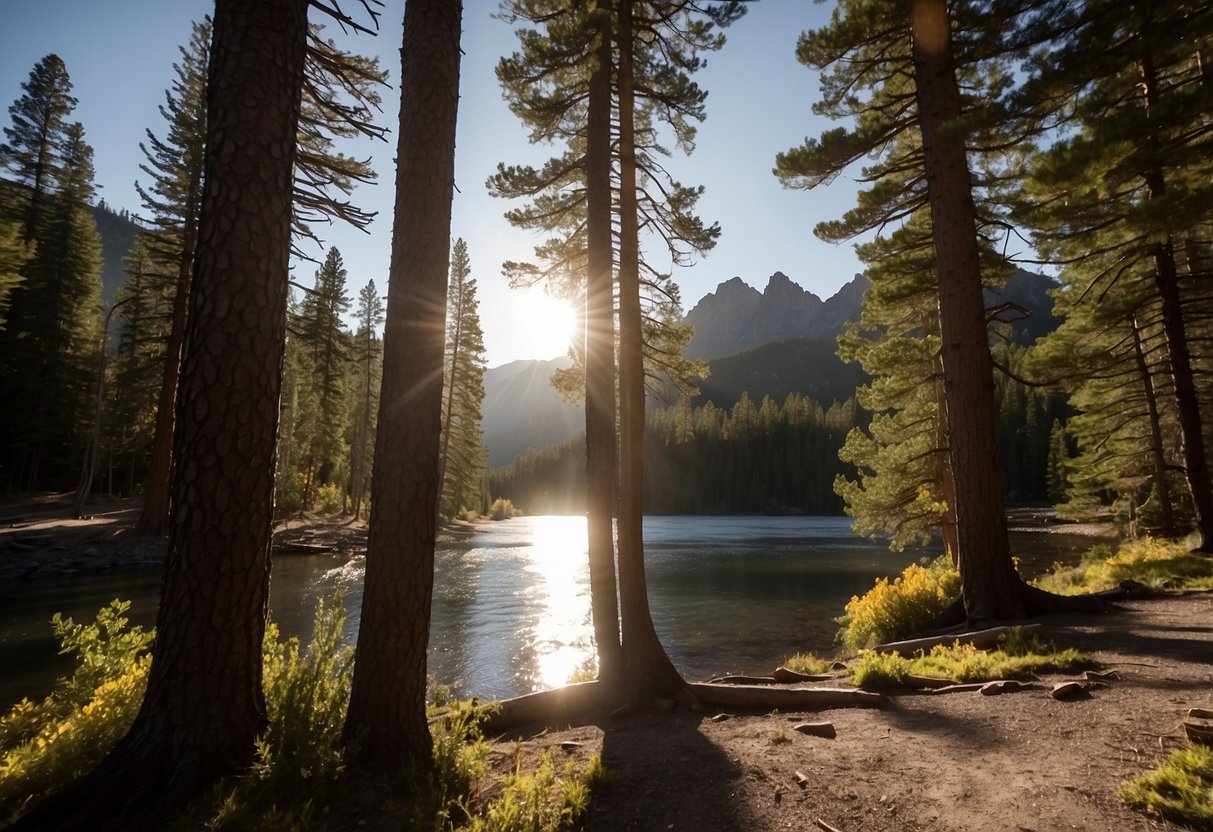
[1020,761]
[961,761]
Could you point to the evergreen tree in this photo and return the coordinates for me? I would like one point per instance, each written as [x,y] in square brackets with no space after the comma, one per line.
[173,200]
[36,141]
[463,461]
[319,334]
[13,255]
[47,349]
[1129,182]
[340,98]
[204,706]
[368,366]
[387,698]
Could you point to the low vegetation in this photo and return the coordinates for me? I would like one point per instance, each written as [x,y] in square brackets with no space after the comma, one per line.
[502,509]
[1180,790]
[45,745]
[808,664]
[300,774]
[1018,656]
[894,610]
[1157,564]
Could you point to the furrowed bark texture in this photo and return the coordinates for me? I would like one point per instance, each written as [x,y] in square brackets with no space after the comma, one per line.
[204,706]
[387,703]
[600,364]
[649,670]
[990,587]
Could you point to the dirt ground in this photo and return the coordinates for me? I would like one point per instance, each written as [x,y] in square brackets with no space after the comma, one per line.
[1021,762]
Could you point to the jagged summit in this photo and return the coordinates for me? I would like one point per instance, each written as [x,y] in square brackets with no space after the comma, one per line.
[737,316]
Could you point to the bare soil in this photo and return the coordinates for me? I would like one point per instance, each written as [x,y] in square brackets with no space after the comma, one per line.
[1022,761]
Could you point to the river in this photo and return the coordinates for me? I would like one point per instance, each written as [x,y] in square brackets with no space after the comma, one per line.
[511,601]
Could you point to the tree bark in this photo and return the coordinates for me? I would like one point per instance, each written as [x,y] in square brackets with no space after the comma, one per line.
[990,587]
[153,521]
[600,363]
[1157,452]
[650,672]
[1166,279]
[387,701]
[204,705]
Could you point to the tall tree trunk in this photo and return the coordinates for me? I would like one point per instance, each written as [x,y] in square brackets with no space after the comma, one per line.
[649,670]
[358,474]
[951,544]
[1157,455]
[204,705]
[448,411]
[387,702]
[600,364]
[153,521]
[990,586]
[1187,408]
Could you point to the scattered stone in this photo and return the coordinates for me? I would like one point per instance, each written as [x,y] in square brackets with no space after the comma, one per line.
[838,666]
[1101,676]
[722,717]
[1003,686]
[1067,690]
[569,745]
[801,780]
[816,729]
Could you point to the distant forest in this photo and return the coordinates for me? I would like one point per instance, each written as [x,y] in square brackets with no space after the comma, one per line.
[773,458]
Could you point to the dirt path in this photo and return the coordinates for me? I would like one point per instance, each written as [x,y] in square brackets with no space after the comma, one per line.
[1022,761]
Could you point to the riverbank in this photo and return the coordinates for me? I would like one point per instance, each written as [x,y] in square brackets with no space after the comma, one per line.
[39,538]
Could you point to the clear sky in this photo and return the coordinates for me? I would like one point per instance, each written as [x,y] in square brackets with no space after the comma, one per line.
[119,54]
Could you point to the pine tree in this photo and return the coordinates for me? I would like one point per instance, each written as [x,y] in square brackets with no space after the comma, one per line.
[173,200]
[368,367]
[204,706]
[47,349]
[36,141]
[387,698]
[464,459]
[1130,181]
[340,98]
[319,335]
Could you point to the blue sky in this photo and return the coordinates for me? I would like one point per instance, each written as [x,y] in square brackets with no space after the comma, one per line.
[119,54]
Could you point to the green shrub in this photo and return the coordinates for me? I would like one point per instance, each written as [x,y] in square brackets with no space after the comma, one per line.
[300,757]
[808,664]
[542,801]
[502,509]
[329,499]
[1180,790]
[46,745]
[1019,655]
[889,611]
[1155,563]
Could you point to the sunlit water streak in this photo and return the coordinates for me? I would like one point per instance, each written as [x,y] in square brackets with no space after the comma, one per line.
[511,609]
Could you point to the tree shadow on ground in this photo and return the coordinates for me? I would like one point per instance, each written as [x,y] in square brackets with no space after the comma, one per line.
[665,774]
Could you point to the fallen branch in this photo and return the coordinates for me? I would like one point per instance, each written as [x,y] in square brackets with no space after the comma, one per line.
[305,548]
[742,680]
[547,706]
[826,827]
[741,696]
[785,676]
[981,639]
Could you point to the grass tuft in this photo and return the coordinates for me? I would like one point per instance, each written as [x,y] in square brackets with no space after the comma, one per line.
[1155,563]
[1180,790]
[808,664]
[1017,657]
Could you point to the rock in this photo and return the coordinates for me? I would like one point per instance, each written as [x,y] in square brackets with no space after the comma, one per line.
[1001,686]
[1101,676]
[816,729]
[1067,690]
[801,780]
[722,717]
[569,745]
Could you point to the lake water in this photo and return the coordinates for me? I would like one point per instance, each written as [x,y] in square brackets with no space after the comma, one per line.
[511,610]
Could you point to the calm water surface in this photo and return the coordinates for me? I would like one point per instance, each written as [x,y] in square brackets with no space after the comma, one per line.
[511,610]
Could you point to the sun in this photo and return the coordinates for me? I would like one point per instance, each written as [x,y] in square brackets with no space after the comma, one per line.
[545,325]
